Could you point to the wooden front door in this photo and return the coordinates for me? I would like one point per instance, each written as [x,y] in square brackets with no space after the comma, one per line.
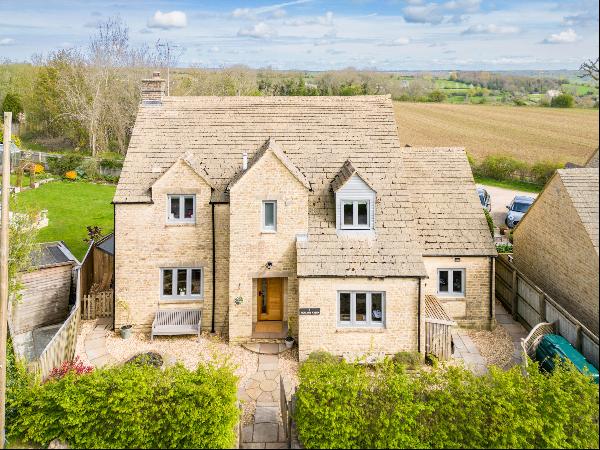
[269,298]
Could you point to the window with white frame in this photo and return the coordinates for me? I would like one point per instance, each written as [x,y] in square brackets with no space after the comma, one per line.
[181,209]
[269,215]
[182,283]
[355,214]
[357,308]
[451,282]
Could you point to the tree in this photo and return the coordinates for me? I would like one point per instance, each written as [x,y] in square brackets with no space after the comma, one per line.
[590,69]
[23,245]
[562,101]
[12,102]
[436,96]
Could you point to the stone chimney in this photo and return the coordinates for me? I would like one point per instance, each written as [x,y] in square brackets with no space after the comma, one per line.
[153,90]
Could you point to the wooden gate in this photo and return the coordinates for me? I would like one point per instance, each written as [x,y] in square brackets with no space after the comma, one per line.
[438,326]
[96,305]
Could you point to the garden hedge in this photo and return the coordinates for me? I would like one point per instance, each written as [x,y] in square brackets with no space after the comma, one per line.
[342,405]
[132,406]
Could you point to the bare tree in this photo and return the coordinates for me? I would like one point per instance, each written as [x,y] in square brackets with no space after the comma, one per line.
[590,69]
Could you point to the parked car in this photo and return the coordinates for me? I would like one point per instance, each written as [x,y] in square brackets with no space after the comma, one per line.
[517,209]
[485,199]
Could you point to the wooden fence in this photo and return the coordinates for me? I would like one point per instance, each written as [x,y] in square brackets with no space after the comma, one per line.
[96,305]
[438,327]
[62,346]
[530,305]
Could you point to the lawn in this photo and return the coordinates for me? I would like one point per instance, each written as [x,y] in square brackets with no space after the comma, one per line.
[71,207]
[529,134]
[509,184]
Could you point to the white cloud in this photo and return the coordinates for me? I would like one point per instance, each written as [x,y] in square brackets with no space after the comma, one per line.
[259,31]
[275,10]
[327,19]
[564,37]
[397,42]
[166,21]
[491,29]
[435,13]
[7,41]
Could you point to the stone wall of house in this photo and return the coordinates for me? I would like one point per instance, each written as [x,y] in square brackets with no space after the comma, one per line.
[321,332]
[472,309]
[251,248]
[145,243]
[553,249]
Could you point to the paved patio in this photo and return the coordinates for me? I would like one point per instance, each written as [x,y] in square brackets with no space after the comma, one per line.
[514,328]
[95,344]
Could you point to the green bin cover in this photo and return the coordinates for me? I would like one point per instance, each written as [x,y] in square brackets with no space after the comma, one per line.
[553,345]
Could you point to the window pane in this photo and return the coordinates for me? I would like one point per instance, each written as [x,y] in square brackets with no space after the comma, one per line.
[269,214]
[361,307]
[263,305]
[443,281]
[188,207]
[181,281]
[363,215]
[175,207]
[376,308]
[167,282]
[345,307]
[457,281]
[348,214]
[196,281]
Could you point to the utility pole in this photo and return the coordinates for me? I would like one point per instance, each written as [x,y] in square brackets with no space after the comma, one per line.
[4,271]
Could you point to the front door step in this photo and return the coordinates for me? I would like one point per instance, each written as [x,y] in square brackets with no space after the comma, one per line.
[263,348]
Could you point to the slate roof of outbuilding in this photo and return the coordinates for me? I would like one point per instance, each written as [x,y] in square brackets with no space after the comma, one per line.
[582,187]
[449,217]
[316,135]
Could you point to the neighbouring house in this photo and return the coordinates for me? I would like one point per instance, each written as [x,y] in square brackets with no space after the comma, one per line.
[556,243]
[48,290]
[299,213]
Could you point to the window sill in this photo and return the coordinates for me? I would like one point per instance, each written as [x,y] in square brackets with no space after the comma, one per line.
[360,330]
[268,231]
[181,300]
[180,224]
[451,297]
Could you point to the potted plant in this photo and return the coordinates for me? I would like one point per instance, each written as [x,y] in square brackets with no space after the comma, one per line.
[127,328]
[289,339]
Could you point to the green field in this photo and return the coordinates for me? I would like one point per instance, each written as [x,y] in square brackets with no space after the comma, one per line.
[71,207]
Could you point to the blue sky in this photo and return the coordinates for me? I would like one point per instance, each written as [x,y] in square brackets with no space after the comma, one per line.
[318,34]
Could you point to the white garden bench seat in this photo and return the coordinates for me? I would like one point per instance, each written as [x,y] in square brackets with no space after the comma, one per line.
[170,322]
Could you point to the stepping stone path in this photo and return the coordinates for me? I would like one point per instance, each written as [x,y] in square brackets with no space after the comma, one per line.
[263,389]
[95,344]
[465,349]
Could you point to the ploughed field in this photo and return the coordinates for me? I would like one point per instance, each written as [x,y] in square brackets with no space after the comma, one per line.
[529,134]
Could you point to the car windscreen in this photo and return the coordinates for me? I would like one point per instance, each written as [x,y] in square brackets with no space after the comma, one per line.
[521,207]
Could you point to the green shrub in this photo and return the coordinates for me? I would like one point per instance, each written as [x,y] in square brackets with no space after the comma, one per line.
[562,101]
[504,248]
[108,163]
[501,167]
[89,168]
[341,405]
[490,221]
[12,102]
[542,171]
[61,165]
[436,96]
[131,406]
[411,360]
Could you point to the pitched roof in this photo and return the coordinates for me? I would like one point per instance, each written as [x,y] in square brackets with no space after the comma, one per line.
[271,146]
[582,187]
[52,254]
[449,216]
[593,160]
[345,173]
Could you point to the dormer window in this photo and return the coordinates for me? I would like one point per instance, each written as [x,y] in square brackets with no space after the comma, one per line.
[181,209]
[355,214]
[354,200]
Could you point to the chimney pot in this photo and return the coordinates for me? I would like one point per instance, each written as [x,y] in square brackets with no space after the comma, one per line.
[244,161]
[153,90]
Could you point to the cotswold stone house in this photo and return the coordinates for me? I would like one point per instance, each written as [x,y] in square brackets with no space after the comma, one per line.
[556,243]
[300,212]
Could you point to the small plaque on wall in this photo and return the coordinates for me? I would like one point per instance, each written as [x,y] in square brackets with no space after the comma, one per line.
[310,311]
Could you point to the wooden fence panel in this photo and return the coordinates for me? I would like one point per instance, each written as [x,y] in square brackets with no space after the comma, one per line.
[533,307]
[62,346]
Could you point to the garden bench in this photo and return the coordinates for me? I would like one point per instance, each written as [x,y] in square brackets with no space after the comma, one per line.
[170,322]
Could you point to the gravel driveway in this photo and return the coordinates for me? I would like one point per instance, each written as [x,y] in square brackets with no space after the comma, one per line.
[500,198]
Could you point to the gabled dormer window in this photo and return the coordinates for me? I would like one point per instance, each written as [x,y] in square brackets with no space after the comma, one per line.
[355,214]
[181,209]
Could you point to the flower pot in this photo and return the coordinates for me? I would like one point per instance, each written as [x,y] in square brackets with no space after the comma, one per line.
[126,331]
[289,342]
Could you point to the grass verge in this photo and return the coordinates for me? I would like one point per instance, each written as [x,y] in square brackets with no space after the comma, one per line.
[512,185]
